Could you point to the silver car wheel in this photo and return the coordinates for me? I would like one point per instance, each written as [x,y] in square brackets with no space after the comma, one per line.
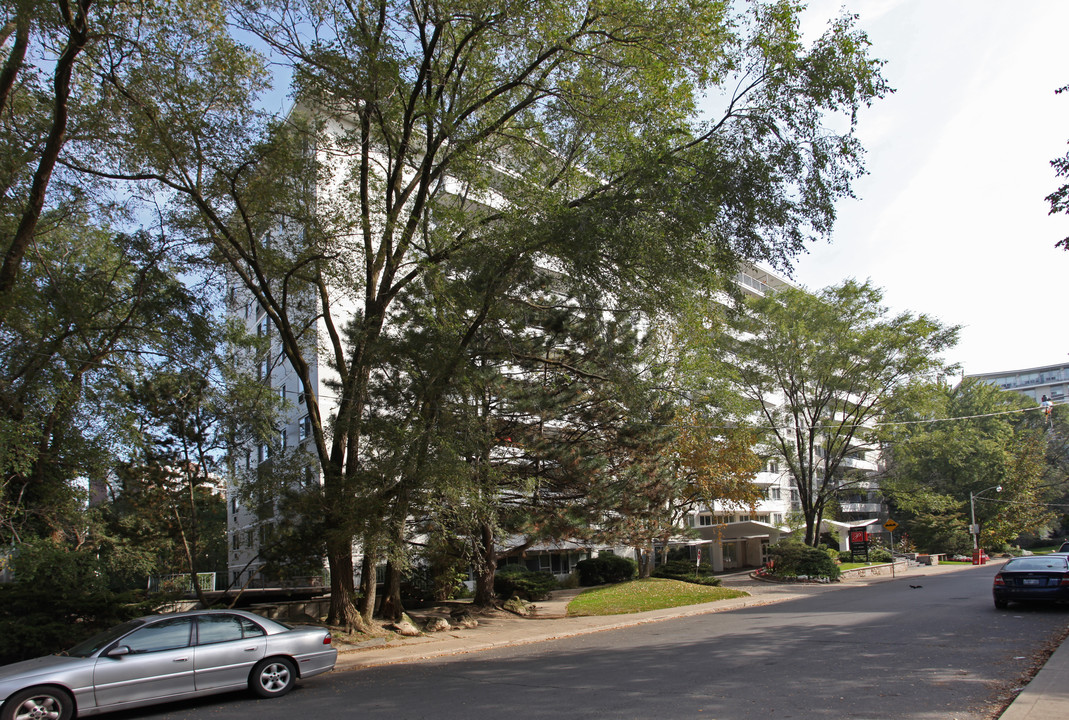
[274,677]
[39,704]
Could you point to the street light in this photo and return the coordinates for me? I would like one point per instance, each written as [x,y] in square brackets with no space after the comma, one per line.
[974,528]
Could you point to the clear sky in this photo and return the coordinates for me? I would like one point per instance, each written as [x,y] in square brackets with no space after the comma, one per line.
[952,221]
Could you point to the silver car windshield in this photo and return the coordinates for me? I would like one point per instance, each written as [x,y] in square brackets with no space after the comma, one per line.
[101,640]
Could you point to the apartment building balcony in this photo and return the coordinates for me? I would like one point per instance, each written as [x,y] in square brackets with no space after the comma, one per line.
[759,282]
[869,508]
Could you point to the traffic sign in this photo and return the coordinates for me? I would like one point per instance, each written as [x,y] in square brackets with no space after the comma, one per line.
[890,525]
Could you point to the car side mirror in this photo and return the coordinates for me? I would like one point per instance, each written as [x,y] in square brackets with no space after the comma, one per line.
[119,651]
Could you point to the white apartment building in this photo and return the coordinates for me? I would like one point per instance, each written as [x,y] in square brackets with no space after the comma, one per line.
[1049,380]
[246,531]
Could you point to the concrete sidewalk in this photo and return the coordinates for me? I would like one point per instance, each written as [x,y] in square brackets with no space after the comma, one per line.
[1046,697]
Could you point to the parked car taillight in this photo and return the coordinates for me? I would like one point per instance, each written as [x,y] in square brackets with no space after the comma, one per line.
[326,640]
[1000,581]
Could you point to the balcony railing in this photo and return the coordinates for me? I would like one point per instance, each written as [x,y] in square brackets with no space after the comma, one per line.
[752,283]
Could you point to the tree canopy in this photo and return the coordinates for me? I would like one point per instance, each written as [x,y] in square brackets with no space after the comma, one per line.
[820,369]
[447,139]
[968,438]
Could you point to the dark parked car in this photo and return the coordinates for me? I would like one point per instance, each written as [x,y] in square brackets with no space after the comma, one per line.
[165,657]
[1037,577]
[1065,547]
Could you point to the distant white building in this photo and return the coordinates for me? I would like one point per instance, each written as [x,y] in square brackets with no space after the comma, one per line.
[1049,380]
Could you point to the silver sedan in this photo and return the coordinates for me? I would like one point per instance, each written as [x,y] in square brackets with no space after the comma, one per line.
[162,658]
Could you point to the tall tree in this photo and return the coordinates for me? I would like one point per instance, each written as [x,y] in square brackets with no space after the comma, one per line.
[820,370]
[92,307]
[967,438]
[584,117]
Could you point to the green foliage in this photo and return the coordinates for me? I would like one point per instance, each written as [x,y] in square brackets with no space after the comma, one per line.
[61,595]
[589,113]
[605,569]
[837,359]
[941,532]
[879,554]
[792,558]
[686,571]
[933,467]
[517,581]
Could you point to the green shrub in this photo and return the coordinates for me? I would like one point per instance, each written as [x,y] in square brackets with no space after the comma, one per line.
[60,596]
[686,571]
[678,553]
[847,557]
[517,581]
[605,569]
[792,558]
[879,555]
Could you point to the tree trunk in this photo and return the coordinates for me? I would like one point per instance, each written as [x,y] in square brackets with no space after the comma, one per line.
[644,556]
[77,36]
[391,608]
[812,526]
[485,567]
[368,583]
[343,611]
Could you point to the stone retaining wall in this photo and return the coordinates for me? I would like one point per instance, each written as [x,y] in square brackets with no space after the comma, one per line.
[872,570]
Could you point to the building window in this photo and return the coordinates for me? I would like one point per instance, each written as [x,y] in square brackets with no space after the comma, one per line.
[236,541]
[777,518]
[774,493]
[264,452]
[304,428]
[773,466]
[705,520]
[234,505]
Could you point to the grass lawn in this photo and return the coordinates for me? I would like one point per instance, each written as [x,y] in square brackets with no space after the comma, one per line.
[641,595]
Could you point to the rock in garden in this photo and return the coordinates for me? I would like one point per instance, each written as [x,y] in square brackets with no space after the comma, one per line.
[436,624]
[404,628]
[464,619]
[518,606]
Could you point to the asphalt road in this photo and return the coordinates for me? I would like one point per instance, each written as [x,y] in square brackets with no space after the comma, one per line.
[882,651]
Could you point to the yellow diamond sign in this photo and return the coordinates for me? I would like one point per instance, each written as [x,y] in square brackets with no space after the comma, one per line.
[890,525]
